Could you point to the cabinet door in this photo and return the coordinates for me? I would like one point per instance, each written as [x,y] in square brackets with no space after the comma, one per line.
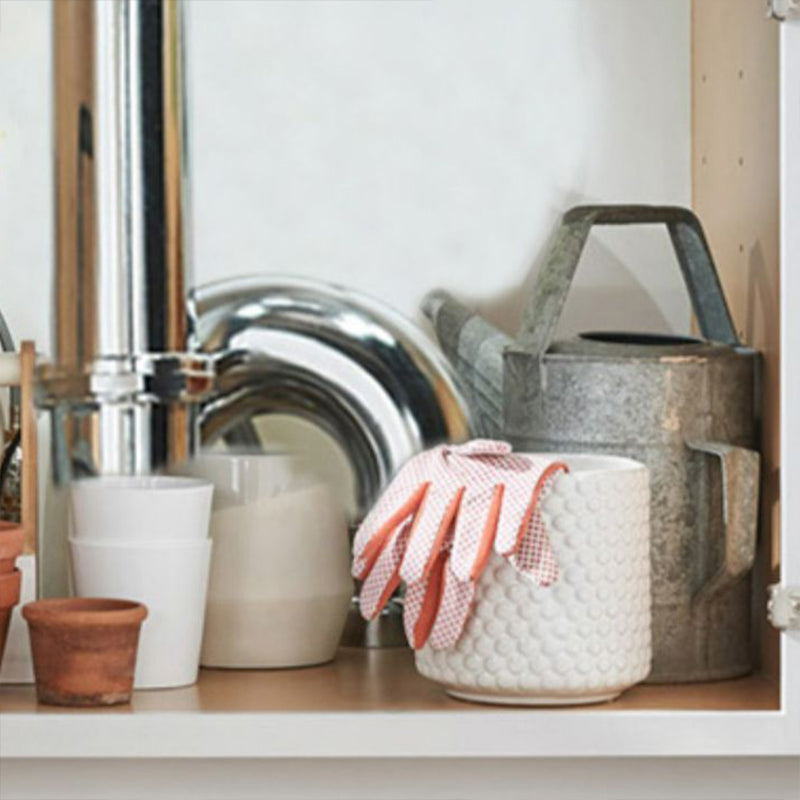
[790,363]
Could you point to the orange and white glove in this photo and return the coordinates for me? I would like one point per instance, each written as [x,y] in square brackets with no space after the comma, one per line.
[437,523]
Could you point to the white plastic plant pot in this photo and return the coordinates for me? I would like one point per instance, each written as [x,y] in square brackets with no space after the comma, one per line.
[585,638]
[171,579]
[140,508]
[280,584]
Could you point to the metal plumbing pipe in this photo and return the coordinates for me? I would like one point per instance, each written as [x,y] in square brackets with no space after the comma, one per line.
[121,384]
[342,360]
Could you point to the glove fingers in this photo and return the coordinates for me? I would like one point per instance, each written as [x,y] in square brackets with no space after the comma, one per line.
[476,526]
[535,556]
[412,603]
[384,577]
[519,503]
[399,500]
[384,507]
[457,597]
[432,524]
[481,447]
[375,532]
[422,602]
[436,527]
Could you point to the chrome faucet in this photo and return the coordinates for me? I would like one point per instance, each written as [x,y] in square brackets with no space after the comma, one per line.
[144,366]
[123,386]
[136,352]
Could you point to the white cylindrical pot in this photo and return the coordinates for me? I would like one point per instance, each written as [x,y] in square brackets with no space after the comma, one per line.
[171,579]
[586,637]
[139,508]
[280,584]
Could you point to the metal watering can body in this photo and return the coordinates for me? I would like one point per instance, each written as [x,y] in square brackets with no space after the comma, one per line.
[685,407]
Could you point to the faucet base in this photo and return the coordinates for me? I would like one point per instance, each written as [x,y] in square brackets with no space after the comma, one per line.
[386,630]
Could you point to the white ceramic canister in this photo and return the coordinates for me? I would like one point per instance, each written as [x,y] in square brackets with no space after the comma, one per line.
[280,584]
[585,638]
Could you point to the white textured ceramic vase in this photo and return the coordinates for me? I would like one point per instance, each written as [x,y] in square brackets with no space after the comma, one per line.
[584,639]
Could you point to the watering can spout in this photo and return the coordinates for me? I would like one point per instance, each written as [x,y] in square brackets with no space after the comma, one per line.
[475,348]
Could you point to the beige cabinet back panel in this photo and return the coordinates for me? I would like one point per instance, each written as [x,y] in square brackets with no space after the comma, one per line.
[735,183]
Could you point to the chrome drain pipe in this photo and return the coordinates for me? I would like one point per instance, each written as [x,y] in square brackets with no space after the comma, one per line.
[122,385]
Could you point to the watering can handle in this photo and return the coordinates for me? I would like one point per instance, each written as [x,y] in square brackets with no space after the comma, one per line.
[740,479]
[691,248]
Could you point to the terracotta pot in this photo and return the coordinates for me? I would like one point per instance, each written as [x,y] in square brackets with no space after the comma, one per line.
[11,541]
[9,596]
[84,649]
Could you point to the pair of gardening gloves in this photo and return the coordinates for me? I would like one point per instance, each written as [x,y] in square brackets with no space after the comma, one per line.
[438,522]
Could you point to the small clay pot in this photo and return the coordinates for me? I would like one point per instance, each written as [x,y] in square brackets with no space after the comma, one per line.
[84,649]
[9,596]
[11,542]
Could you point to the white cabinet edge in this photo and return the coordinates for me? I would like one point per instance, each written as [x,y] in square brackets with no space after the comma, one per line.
[790,358]
[400,735]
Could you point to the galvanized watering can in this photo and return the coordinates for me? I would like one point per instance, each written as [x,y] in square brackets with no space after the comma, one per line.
[685,407]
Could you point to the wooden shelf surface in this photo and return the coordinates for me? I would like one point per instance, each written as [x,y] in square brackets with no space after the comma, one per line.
[379,680]
[373,704]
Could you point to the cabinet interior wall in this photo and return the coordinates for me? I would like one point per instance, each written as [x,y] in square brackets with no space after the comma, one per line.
[736,193]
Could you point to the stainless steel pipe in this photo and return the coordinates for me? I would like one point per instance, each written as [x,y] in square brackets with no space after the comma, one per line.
[342,360]
[122,384]
[123,389]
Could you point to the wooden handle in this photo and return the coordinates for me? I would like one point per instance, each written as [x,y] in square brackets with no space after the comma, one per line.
[30,473]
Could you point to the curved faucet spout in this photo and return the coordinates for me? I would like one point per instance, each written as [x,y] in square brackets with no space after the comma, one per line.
[351,365]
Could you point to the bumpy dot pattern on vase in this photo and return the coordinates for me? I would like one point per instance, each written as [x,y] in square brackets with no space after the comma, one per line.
[588,634]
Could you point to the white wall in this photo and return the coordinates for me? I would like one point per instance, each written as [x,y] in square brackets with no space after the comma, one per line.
[26,225]
[399,146]
[396,147]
